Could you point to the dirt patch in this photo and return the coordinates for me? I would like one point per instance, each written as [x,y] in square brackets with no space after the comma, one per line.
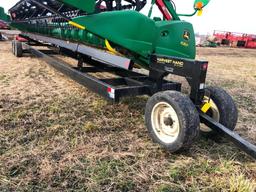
[58,136]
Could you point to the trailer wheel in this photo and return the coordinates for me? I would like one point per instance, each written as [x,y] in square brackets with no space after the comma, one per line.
[222,110]
[18,49]
[172,120]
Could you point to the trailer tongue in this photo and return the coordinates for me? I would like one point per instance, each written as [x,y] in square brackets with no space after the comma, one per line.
[112,36]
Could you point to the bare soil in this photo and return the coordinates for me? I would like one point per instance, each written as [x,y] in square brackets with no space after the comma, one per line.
[56,135]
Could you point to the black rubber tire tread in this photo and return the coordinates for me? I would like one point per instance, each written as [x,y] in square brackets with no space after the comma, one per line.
[18,49]
[226,106]
[13,47]
[187,114]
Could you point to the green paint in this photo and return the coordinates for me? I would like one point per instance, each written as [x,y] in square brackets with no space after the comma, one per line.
[3,16]
[142,35]
[171,9]
[85,5]
[204,2]
[128,29]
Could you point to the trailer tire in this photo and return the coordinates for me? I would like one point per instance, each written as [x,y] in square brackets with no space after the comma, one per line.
[13,47]
[172,120]
[18,49]
[223,109]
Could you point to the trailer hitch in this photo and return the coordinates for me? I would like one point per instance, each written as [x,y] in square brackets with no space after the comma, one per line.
[244,145]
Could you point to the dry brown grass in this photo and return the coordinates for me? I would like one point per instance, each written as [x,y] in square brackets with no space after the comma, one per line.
[55,135]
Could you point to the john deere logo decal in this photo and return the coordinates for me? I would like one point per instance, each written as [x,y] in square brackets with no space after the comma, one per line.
[186,35]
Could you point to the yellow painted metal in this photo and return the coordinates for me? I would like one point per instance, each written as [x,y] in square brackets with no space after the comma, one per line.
[76,25]
[110,48]
[200,12]
[205,107]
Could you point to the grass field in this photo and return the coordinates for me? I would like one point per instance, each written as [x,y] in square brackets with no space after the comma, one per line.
[56,135]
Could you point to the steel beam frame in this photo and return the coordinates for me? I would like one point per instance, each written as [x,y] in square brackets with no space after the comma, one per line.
[76,47]
[128,84]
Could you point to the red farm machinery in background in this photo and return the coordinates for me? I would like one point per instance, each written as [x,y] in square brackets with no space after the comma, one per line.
[235,39]
[3,25]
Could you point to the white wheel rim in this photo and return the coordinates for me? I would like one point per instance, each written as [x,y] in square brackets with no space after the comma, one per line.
[165,122]
[215,114]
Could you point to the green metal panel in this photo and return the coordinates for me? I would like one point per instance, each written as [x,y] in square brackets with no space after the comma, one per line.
[85,5]
[141,35]
[129,29]
[171,40]
[3,16]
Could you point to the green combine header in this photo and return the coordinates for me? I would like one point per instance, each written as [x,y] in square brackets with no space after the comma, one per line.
[110,24]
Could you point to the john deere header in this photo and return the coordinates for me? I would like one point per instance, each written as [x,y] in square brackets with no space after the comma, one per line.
[117,26]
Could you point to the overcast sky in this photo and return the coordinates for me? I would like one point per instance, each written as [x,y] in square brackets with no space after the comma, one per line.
[228,15]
